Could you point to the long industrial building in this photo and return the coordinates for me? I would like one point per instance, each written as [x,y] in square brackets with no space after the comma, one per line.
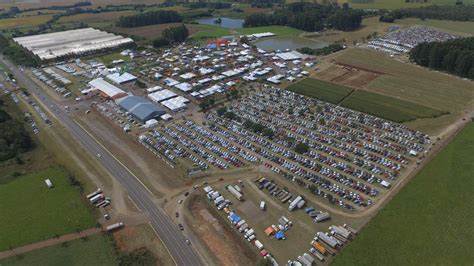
[72,42]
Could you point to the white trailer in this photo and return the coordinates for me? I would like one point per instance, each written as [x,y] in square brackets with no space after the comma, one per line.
[238,188]
[94,193]
[294,203]
[327,239]
[249,232]
[300,204]
[341,231]
[304,261]
[258,244]
[262,205]
[234,192]
[322,217]
[114,226]
[49,183]
[219,200]
[309,257]
[96,198]
[243,227]
[241,222]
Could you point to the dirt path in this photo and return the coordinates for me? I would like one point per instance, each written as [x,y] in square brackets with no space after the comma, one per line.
[48,242]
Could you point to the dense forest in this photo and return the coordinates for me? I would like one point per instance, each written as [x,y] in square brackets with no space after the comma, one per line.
[454,56]
[172,35]
[14,139]
[332,48]
[309,17]
[459,13]
[149,18]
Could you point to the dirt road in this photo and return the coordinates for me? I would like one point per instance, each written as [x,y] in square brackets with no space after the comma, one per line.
[48,243]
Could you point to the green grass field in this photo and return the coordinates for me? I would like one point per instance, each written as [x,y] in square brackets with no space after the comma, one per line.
[325,91]
[108,58]
[92,250]
[430,221]
[32,212]
[388,107]
[210,32]
[414,84]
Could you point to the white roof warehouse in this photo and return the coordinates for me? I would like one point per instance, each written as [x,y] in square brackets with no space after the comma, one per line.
[72,42]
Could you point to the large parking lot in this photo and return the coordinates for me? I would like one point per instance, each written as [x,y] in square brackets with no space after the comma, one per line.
[348,158]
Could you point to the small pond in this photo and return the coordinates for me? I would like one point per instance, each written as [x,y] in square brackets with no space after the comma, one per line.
[229,23]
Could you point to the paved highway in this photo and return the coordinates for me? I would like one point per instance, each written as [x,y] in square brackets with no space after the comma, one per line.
[174,240]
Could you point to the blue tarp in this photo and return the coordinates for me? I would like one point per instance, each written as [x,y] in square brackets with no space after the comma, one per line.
[280,235]
[234,218]
[212,45]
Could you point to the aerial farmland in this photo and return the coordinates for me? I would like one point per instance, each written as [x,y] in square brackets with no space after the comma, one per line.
[225,133]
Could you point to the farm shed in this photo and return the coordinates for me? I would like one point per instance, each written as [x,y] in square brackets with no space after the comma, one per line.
[106,89]
[118,78]
[161,95]
[140,108]
[72,42]
[175,104]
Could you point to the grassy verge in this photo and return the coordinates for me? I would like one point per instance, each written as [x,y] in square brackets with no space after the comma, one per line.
[388,107]
[430,221]
[91,250]
[32,212]
[322,90]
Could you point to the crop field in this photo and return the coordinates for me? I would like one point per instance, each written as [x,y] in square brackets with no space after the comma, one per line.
[347,75]
[32,212]
[92,250]
[414,84]
[430,222]
[19,22]
[388,107]
[99,17]
[322,90]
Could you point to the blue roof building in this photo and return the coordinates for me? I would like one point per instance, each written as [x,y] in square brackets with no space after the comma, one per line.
[140,108]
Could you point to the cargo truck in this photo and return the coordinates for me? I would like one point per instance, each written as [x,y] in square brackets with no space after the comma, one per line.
[322,217]
[318,255]
[304,261]
[327,239]
[96,198]
[208,189]
[309,258]
[114,226]
[234,192]
[354,231]
[341,231]
[258,244]
[294,203]
[243,227]
[94,193]
[318,247]
[286,198]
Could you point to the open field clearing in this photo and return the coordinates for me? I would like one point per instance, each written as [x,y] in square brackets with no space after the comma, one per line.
[154,31]
[322,90]
[19,22]
[388,107]
[459,27]
[430,222]
[210,32]
[32,212]
[221,243]
[99,17]
[133,238]
[414,84]
[368,27]
[91,250]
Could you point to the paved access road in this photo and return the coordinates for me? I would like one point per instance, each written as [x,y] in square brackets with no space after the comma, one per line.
[174,240]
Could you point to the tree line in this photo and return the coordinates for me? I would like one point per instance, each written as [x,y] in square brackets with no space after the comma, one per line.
[172,35]
[309,17]
[149,18]
[211,5]
[14,139]
[454,56]
[332,48]
[456,13]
